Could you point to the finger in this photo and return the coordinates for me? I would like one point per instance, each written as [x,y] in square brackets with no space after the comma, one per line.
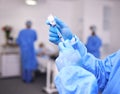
[58,27]
[68,44]
[61,46]
[53,29]
[60,22]
[53,39]
[47,22]
[51,34]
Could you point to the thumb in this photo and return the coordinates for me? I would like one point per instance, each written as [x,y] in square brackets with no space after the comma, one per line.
[61,46]
[60,22]
[67,44]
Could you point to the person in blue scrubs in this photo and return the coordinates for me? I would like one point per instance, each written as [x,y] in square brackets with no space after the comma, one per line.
[25,40]
[79,71]
[94,43]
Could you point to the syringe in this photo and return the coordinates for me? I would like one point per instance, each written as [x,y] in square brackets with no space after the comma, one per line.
[53,23]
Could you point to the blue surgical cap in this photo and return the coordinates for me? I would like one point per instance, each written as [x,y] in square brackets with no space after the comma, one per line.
[28,23]
[93,28]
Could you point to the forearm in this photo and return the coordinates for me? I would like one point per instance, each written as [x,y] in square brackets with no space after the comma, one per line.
[78,45]
[88,61]
[76,80]
[100,68]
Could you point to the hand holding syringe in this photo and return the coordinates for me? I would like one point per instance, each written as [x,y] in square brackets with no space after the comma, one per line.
[53,23]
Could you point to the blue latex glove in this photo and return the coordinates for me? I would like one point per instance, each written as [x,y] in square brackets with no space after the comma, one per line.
[62,28]
[68,56]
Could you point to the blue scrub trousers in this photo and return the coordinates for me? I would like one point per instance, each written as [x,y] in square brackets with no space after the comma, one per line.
[27,75]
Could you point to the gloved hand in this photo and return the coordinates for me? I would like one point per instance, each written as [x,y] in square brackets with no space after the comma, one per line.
[68,56]
[63,29]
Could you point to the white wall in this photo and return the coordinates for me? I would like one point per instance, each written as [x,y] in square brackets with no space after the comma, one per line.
[78,14]
[16,12]
[94,15]
[115,27]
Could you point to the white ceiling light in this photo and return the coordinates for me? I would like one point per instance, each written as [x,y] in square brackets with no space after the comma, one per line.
[31,2]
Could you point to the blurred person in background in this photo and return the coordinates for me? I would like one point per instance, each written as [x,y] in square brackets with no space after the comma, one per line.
[94,43]
[46,63]
[25,40]
[43,57]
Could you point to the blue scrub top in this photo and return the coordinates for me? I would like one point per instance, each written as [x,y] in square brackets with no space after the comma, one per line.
[93,45]
[25,40]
